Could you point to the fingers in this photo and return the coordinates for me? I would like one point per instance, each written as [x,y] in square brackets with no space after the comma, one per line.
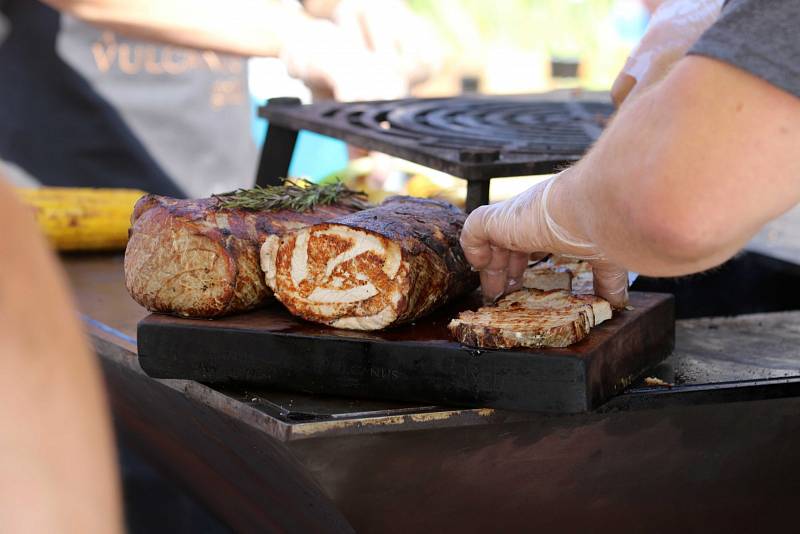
[621,88]
[487,241]
[611,283]
[475,240]
[500,270]
[489,235]
[491,261]
[494,276]
[517,263]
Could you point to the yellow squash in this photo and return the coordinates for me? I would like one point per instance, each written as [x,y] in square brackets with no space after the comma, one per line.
[82,218]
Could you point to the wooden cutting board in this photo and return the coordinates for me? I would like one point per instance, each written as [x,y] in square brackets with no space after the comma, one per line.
[417,362]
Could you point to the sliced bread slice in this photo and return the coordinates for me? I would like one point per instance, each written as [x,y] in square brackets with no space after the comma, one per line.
[531,318]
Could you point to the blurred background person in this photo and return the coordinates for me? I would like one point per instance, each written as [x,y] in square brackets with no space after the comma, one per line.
[153,94]
[153,103]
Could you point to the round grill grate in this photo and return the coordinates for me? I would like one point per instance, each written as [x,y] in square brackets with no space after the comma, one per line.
[513,126]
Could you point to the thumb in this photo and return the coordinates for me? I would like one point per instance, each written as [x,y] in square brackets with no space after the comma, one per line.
[611,283]
[622,86]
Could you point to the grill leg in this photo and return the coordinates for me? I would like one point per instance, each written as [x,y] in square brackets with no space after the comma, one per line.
[276,155]
[477,194]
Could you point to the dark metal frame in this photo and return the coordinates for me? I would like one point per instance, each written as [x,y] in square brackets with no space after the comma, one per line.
[543,148]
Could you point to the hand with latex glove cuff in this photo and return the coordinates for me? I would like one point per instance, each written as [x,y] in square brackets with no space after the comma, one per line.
[323,55]
[673,28]
[498,241]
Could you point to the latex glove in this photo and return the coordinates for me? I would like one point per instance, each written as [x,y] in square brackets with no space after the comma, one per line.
[391,29]
[499,239]
[322,54]
[674,27]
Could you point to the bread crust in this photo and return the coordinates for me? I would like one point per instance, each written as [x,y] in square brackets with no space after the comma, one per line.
[531,318]
[402,257]
[499,338]
[193,258]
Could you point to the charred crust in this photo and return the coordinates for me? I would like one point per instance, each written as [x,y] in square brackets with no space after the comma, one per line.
[432,270]
[156,220]
[480,336]
[509,327]
[421,226]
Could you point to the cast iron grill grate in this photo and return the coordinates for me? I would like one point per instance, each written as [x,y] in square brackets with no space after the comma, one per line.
[475,138]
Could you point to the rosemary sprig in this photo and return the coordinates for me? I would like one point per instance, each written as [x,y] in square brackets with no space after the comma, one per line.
[296,195]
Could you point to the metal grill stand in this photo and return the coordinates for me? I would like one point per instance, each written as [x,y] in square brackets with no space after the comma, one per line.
[474,138]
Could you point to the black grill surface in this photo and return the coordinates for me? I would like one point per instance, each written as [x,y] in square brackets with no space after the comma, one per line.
[475,138]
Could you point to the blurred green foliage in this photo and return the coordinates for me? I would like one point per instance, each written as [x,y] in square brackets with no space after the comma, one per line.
[563,28]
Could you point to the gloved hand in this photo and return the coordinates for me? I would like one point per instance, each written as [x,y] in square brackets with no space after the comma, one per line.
[322,54]
[674,27]
[499,239]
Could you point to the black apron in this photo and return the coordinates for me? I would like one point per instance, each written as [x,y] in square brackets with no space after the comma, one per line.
[53,124]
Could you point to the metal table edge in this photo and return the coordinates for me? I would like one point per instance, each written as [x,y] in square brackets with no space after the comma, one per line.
[121,350]
[118,349]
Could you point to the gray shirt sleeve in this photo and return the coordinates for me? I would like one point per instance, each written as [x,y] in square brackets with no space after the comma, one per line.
[759,36]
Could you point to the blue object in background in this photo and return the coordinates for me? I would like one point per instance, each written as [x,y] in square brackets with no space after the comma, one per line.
[315,156]
[630,19]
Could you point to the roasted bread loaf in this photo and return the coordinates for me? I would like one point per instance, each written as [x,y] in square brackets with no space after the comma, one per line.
[195,258]
[531,318]
[369,270]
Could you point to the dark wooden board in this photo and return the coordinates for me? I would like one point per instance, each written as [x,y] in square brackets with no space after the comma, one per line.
[417,362]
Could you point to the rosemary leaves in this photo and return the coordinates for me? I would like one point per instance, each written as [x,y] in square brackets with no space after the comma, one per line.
[296,195]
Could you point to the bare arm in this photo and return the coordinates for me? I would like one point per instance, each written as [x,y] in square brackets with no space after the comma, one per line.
[243,27]
[688,172]
[683,177]
[322,54]
[321,8]
[57,461]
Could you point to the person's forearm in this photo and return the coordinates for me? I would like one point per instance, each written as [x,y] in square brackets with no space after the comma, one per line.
[243,27]
[687,172]
[321,8]
[57,460]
